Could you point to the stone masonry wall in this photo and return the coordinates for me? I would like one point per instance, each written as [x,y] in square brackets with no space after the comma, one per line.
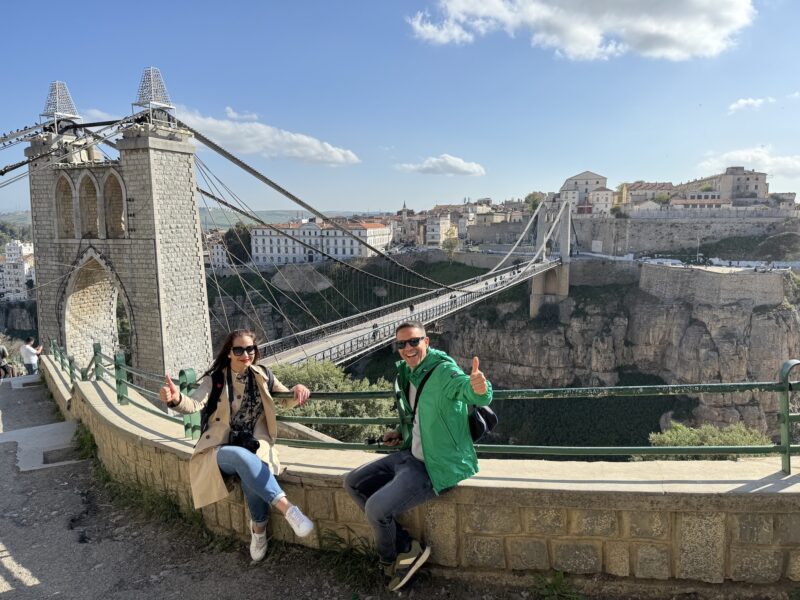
[622,236]
[643,541]
[702,286]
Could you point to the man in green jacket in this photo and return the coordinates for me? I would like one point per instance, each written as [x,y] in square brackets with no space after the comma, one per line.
[436,452]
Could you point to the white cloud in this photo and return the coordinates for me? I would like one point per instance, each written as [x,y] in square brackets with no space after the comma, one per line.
[760,158]
[95,114]
[591,30]
[252,137]
[444,164]
[754,103]
[794,95]
[237,116]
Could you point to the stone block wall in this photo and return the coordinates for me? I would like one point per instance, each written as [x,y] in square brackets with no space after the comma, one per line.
[703,286]
[629,541]
[623,236]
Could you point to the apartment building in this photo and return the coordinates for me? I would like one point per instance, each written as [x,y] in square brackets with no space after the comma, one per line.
[303,242]
[17,271]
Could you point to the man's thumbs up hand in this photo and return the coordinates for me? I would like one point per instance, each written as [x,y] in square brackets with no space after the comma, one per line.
[170,394]
[477,379]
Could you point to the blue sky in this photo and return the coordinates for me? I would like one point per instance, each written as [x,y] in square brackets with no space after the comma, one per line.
[365,104]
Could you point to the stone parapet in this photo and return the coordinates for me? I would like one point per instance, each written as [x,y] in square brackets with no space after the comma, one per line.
[654,529]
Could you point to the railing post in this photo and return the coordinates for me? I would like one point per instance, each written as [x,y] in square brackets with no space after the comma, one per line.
[98,362]
[62,358]
[187,379]
[84,374]
[71,369]
[120,377]
[785,422]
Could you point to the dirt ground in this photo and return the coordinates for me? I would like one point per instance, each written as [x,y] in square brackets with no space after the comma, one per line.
[61,537]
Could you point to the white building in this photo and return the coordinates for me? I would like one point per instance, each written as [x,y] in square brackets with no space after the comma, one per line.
[583,183]
[268,247]
[436,228]
[219,255]
[17,271]
[601,200]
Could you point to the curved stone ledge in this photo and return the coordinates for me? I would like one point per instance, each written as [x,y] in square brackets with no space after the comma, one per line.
[684,524]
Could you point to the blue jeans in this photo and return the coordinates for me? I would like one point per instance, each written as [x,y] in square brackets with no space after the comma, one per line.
[261,489]
[386,488]
[31,369]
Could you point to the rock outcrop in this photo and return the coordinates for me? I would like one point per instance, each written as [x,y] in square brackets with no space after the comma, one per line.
[597,331]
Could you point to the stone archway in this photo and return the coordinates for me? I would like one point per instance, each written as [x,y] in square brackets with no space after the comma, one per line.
[92,312]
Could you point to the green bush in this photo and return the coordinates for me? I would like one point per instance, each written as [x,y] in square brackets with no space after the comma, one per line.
[326,376]
[707,435]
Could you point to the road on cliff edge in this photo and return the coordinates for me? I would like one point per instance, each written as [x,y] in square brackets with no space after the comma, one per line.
[61,537]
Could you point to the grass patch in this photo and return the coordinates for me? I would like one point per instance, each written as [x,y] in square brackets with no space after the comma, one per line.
[147,502]
[356,566]
[557,587]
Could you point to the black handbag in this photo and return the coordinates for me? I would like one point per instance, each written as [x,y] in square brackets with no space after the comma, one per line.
[482,420]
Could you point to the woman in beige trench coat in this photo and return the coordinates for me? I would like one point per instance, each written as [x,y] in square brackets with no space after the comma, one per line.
[238,435]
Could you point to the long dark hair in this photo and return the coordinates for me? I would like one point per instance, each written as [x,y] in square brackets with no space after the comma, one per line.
[222,360]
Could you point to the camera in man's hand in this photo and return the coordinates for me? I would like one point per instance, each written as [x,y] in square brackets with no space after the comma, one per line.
[243,439]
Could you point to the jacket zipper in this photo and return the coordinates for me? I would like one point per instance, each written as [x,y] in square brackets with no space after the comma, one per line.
[450,433]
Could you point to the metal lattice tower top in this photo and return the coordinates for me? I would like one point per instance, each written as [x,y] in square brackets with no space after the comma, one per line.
[59,103]
[152,91]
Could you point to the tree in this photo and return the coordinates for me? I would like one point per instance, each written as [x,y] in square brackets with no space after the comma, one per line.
[451,243]
[326,376]
[534,199]
[237,241]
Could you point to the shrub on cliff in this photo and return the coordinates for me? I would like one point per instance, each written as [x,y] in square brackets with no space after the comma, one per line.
[707,435]
[326,376]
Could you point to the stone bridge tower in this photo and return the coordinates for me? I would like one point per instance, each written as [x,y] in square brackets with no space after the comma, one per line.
[552,286]
[119,241]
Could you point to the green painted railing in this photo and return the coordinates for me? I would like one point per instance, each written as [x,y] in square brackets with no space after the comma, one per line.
[100,365]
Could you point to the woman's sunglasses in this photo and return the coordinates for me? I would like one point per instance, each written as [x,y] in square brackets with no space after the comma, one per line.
[239,350]
[414,342]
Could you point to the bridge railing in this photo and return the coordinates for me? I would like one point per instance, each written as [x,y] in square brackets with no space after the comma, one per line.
[361,342]
[309,335]
[187,380]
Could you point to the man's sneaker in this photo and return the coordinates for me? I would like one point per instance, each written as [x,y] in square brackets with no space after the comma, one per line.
[407,564]
[301,524]
[258,544]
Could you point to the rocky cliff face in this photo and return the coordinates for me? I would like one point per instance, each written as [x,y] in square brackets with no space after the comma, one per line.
[597,331]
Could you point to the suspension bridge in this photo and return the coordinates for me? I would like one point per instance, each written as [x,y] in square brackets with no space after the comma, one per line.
[87,167]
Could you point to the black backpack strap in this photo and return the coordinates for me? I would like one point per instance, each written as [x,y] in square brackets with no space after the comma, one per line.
[421,385]
[217,380]
[267,373]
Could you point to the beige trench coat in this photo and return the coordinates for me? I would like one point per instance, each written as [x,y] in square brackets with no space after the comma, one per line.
[208,483]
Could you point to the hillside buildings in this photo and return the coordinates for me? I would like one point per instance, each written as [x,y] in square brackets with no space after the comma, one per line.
[17,273]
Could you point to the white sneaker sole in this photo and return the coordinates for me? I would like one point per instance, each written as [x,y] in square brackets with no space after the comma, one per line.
[414,568]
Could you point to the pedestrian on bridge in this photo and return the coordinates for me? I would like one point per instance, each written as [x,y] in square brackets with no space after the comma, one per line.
[237,435]
[436,449]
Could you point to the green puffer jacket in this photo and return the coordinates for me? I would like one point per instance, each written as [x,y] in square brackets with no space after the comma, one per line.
[442,410]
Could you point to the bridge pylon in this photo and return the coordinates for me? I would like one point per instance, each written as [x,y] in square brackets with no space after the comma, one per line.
[553,285]
[118,245]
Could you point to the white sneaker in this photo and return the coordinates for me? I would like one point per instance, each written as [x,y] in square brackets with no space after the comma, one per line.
[258,544]
[300,523]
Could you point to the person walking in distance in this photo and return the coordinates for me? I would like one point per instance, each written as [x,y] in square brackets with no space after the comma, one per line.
[30,356]
[238,432]
[436,449]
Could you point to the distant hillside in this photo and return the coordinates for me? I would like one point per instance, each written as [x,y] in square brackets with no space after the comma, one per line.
[216,217]
[20,217]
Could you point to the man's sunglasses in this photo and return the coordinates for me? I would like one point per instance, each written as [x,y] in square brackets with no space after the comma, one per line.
[239,350]
[414,342]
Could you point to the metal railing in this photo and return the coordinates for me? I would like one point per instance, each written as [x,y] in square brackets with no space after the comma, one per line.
[99,368]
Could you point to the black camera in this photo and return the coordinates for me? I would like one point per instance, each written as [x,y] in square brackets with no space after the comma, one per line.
[243,439]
